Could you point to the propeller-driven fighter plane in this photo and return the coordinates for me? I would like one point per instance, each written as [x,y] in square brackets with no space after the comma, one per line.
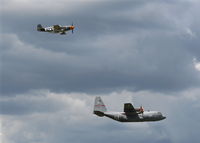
[130,113]
[56,29]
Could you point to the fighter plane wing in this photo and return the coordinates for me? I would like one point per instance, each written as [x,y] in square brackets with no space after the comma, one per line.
[128,108]
[57,27]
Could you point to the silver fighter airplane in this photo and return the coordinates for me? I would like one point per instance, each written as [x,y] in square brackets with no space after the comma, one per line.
[56,29]
[130,113]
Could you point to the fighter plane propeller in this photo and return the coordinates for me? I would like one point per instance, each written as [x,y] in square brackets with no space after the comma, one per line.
[56,29]
[72,27]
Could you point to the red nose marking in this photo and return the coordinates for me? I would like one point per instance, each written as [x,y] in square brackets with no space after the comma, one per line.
[71,27]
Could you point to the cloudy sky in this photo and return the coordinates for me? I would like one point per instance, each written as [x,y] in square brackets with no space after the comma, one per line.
[142,51]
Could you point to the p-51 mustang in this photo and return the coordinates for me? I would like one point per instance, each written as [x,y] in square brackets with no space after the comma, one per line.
[56,29]
[130,113]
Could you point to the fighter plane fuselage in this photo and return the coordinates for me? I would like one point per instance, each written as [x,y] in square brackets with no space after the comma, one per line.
[54,30]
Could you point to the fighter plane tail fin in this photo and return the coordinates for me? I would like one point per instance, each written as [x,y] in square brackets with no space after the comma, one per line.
[99,107]
[40,28]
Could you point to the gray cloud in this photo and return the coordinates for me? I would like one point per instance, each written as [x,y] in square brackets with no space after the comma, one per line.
[105,65]
[74,122]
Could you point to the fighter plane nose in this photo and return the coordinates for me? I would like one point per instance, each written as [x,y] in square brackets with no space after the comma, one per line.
[72,27]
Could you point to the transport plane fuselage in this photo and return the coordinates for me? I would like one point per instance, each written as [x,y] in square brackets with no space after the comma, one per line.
[128,117]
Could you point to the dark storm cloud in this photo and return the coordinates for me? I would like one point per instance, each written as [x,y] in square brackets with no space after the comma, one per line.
[117,45]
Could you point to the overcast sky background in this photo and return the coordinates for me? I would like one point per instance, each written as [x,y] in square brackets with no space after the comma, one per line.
[142,51]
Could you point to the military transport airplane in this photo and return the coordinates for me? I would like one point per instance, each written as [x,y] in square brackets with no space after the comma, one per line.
[130,113]
[56,29]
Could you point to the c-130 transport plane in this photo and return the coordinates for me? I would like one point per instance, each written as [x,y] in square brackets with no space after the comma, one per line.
[130,113]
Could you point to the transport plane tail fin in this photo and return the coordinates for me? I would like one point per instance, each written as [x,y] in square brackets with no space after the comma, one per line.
[99,107]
